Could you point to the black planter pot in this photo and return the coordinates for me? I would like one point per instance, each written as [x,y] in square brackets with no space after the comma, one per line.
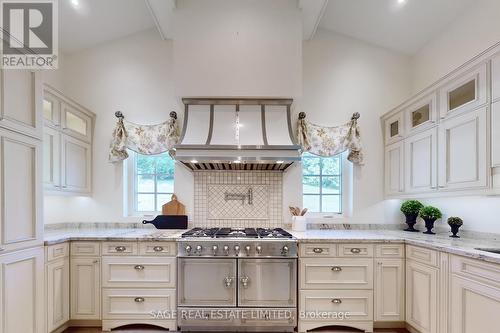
[429,224]
[454,230]
[411,220]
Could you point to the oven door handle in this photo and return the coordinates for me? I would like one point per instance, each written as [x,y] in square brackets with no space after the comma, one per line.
[245,280]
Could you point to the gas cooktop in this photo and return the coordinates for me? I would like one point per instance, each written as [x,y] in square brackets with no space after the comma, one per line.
[236,233]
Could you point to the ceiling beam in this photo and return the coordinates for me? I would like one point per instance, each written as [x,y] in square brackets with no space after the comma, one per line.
[312,13]
[162,12]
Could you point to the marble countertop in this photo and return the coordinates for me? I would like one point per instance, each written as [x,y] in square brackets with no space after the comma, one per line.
[442,242]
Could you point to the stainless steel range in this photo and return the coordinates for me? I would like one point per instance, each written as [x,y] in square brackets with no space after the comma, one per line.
[237,280]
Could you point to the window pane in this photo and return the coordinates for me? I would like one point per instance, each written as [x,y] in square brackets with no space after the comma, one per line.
[330,203]
[165,183]
[311,202]
[145,202]
[145,164]
[146,183]
[310,165]
[331,185]
[165,165]
[331,166]
[162,199]
[310,184]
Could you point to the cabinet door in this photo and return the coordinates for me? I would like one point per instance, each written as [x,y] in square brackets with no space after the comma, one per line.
[389,290]
[76,165]
[495,134]
[421,162]
[463,151]
[21,101]
[85,292]
[51,159]
[20,191]
[394,169]
[421,296]
[464,93]
[421,114]
[22,305]
[474,306]
[495,78]
[51,109]
[75,122]
[394,129]
[57,293]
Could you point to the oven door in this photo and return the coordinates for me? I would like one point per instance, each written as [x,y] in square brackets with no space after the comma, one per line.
[206,282]
[267,282]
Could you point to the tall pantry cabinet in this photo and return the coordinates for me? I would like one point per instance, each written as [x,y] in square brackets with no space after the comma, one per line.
[21,225]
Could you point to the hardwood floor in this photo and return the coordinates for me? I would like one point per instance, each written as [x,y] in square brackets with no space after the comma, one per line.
[153,330]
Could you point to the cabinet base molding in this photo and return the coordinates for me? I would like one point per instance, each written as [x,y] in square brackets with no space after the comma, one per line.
[410,329]
[84,323]
[61,328]
[389,324]
[108,325]
[366,326]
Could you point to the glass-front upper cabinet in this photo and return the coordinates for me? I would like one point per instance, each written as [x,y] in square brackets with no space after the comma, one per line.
[51,109]
[394,128]
[463,93]
[421,114]
[76,122]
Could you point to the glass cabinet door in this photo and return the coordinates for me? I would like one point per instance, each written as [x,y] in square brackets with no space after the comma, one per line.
[76,122]
[462,95]
[394,128]
[421,114]
[51,109]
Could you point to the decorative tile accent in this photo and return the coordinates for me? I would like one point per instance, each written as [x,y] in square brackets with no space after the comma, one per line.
[211,210]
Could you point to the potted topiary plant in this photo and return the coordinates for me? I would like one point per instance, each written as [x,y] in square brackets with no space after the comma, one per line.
[455,223]
[430,215]
[410,209]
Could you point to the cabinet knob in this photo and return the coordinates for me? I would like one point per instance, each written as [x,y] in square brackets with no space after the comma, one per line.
[336,301]
[158,248]
[139,267]
[355,250]
[318,250]
[96,261]
[336,269]
[139,299]
[120,248]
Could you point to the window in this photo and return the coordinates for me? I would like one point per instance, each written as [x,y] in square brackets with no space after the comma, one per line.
[322,183]
[153,181]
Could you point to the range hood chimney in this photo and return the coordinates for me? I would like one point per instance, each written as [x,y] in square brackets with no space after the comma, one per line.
[237,134]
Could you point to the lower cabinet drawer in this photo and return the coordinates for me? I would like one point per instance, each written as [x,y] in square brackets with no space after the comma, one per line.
[142,272]
[336,273]
[353,305]
[137,303]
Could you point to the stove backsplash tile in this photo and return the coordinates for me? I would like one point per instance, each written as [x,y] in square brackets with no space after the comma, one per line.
[210,208]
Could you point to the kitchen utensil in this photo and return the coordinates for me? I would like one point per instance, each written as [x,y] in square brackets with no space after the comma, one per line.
[173,207]
[169,222]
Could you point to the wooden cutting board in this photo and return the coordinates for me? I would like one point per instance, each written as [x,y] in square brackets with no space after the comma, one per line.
[173,207]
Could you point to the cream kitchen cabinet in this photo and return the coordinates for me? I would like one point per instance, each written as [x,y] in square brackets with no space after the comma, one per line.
[394,169]
[421,161]
[67,145]
[422,296]
[22,287]
[21,193]
[495,134]
[57,285]
[495,78]
[463,155]
[21,102]
[85,284]
[389,277]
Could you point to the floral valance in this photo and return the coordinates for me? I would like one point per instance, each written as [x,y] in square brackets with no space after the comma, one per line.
[144,139]
[329,141]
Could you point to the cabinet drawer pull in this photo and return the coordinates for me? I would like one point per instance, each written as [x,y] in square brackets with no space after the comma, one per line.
[355,250]
[139,267]
[158,248]
[336,301]
[120,248]
[96,261]
[336,269]
[139,299]
[318,250]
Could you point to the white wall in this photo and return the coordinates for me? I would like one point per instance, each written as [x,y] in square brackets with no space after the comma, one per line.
[238,48]
[134,75]
[475,30]
[342,76]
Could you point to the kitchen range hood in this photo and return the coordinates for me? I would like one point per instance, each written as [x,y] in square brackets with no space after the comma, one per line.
[237,134]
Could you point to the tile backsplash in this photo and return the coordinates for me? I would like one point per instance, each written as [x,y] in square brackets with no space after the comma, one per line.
[212,209]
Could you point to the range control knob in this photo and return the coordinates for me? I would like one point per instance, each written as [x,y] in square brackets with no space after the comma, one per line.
[258,249]
[285,250]
[226,250]
[214,249]
[237,249]
[247,250]
[198,249]
[188,249]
